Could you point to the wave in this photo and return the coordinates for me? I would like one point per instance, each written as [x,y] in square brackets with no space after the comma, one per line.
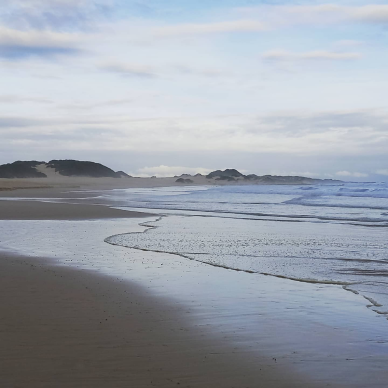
[275,217]
[353,190]
[350,286]
[109,239]
[247,229]
[304,201]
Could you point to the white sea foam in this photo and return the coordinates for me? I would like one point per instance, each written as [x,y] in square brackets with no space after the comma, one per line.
[326,241]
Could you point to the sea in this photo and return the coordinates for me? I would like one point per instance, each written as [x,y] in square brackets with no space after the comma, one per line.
[328,234]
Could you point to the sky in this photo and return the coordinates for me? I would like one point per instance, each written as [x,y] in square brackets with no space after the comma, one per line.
[163,87]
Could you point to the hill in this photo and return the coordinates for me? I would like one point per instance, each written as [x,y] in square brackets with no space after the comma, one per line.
[69,168]
[81,168]
[228,173]
[234,175]
[21,169]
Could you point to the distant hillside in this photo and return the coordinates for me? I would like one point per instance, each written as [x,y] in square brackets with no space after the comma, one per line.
[21,169]
[234,175]
[27,169]
[81,168]
[228,173]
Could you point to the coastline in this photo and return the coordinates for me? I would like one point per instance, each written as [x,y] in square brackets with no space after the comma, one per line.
[69,327]
[268,340]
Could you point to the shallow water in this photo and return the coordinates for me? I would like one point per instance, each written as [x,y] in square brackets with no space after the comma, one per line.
[322,234]
[318,330]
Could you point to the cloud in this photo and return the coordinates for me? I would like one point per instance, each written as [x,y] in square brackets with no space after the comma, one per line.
[299,124]
[283,15]
[283,55]
[55,14]
[382,172]
[351,174]
[16,44]
[18,122]
[179,30]
[101,104]
[141,70]
[189,70]
[169,171]
[14,99]
[318,133]
[349,43]
[350,143]
[370,13]
[129,69]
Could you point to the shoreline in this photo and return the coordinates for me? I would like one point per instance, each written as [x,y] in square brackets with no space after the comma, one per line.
[248,327]
[69,328]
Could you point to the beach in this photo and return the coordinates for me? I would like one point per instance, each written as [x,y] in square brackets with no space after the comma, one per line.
[66,328]
[80,312]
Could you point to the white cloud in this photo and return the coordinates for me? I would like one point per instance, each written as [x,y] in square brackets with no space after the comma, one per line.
[140,70]
[320,133]
[179,30]
[129,69]
[169,171]
[46,3]
[14,99]
[351,174]
[283,55]
[276,16]
[348,43]
[382,172]
[21,44]
[205,72]
[54,14]
[319,141]
[31,38]
[370,13]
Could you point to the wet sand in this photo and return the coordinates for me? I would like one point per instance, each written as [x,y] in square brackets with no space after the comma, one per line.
[68,327]
[34,210]
[61,327]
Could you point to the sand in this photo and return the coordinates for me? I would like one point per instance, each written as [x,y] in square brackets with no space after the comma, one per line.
[61,327]
[34,210]
[67,327]
[63,182]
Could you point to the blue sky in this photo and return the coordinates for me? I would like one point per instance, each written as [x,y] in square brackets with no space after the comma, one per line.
[161,87]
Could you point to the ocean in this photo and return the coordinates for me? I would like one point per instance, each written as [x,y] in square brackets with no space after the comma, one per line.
[329,234]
